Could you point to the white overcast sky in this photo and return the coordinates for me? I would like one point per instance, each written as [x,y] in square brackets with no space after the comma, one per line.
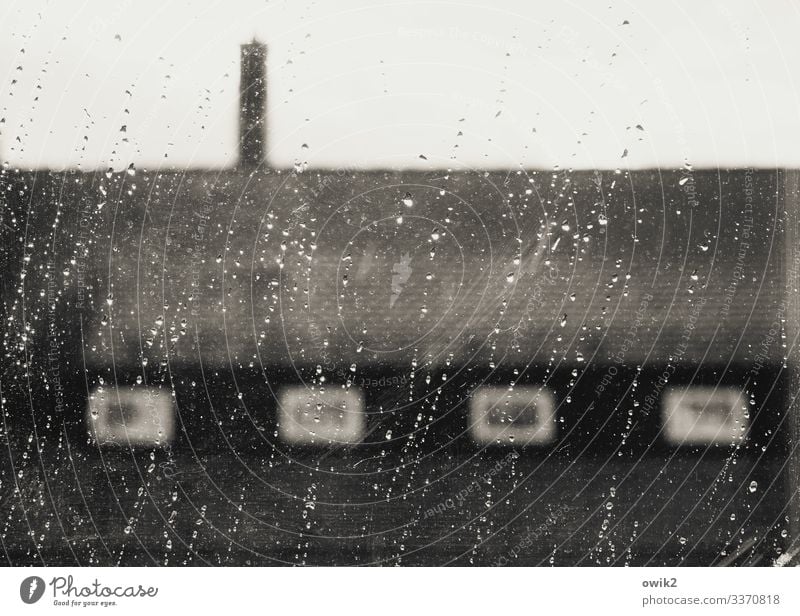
[377,84]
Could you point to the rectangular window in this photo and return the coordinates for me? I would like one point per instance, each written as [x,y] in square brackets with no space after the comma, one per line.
[704,415]
[321,415]
[137,417]
[516,416]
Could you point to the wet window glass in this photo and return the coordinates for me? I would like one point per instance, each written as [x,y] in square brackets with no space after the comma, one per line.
[401,285]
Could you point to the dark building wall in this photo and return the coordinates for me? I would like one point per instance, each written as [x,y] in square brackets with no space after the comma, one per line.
[184,269]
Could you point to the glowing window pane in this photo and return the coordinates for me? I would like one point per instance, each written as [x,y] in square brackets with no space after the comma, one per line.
[519,416]
[131,417]
[307,416]
[704,415]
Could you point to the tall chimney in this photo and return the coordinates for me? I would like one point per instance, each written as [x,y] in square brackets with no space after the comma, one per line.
[252,103]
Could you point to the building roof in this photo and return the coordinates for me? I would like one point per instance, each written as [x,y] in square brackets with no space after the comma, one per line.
[341,266]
